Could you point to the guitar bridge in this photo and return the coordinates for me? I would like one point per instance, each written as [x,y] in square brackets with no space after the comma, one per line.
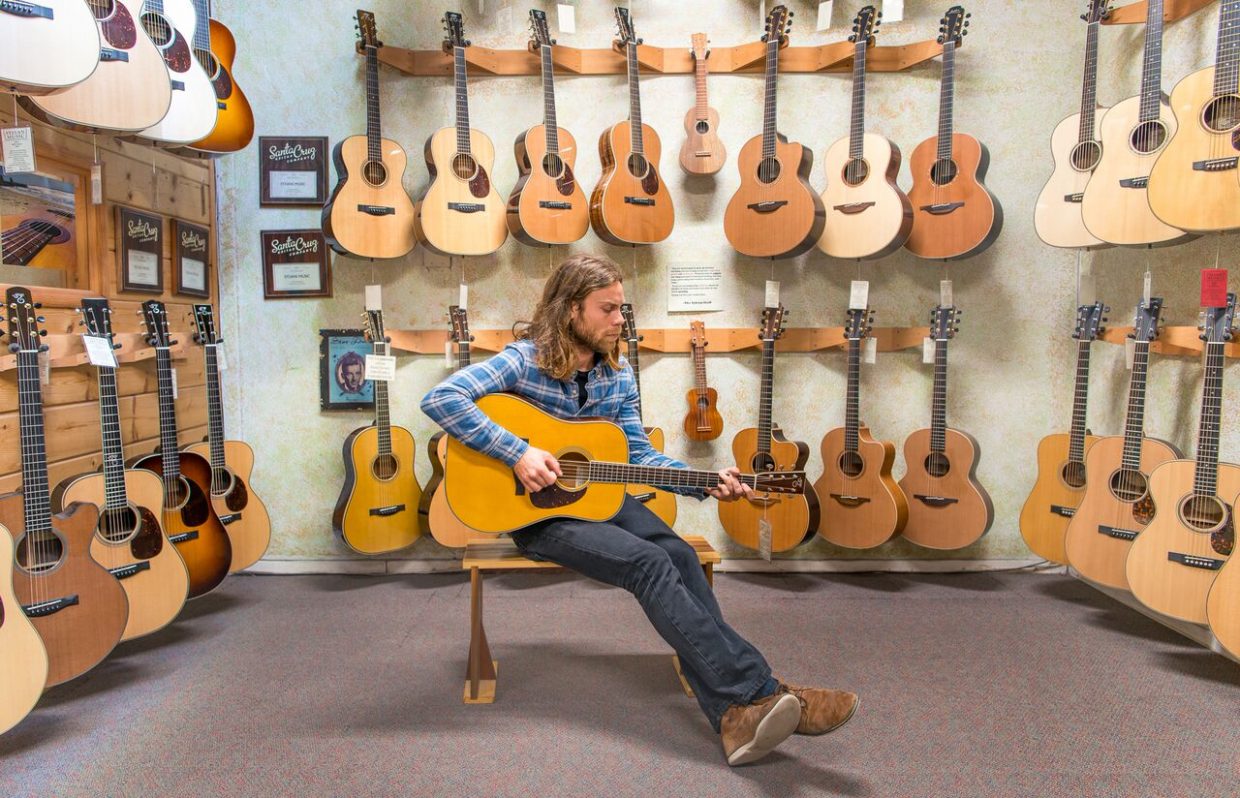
[942,208]
[377,210]
[1216,164]
[934,501]
[555,205]
[648,201]
[26,9]
[466,207]
[230,518]
[391,509]
[849,501]
[1195,561]
[853,207]
[1135,182]
[42,609]
[1074,198]
[1116,532]
[107,54]
[767,206]
[1066,512]
[178,85]
[184,537]
[126,571]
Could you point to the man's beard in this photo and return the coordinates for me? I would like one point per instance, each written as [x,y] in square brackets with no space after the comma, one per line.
[602,344]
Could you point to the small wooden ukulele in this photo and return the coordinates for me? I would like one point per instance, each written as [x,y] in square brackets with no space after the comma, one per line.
[703,422]
[702,153]
[437,516]
[660,502]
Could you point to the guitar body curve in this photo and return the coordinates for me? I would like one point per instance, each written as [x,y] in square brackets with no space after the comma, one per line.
[192,112]
[440,521]
[23,659]
[627,208]
[793,518]
[959,217]
[1053,500]
[782,218]
[389,231]
[45,54]
[234,119]
[865,510]
[873,218]
[240,510]
[1057,216]
[703,152]
[535,213]
[660,502]
[1223,605]
[714,421]
[377,515]
[945,525]
[461,214]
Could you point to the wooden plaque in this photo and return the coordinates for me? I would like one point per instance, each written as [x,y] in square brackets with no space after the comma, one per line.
[292,170]
[140,246]
[295,264]
[191,259]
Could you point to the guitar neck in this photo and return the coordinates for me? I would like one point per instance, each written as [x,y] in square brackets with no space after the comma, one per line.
[938,411]
[113,445]
[462,100]
[374,136]
[635,101]
[215,412]
[661,476]
[637,371]
[1205,480]
[168,446]
[769,107]
[1080,401]
[548,80]
[699,369]
[38,513]
[1227,58]
[383,421]
[764,397]
[1151,72]
[202,31]
[699,82]
[462,354]
[1089,86]
[856,130]
[1134,422]
[852,422]
[947,87]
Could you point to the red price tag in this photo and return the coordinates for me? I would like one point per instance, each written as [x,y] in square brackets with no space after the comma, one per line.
[1214,288]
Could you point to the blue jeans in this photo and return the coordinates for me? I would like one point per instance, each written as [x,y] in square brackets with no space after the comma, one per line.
[635,550]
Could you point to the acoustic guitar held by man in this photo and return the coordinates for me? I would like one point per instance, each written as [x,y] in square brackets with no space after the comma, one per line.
[567,362]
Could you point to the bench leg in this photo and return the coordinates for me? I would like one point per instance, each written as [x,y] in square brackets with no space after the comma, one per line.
[684,683]
[480,672]
[709,568]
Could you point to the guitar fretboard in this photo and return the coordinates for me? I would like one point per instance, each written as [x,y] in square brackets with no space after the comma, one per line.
[1205,480]
[1151,72]
[768,111]
[856,130]
[938,408]
[1080,401]
[635,101]
[662,476]
[1089,86]
[202,29]
[383,421]
[168,445]
[37,508]
[113,446]
[28,239]
[946,98]
[1227,59]
[699,82]
[548,81]
[215,418]
[1134,422]
[462,100]
[852,406]
[764,397]
[374,138]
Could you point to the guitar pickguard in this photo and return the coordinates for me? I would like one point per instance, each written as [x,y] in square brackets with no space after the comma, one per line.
[480,184]
[177,55]
[1143,510]
[120,30]
[197,509]
[551,497]
[566,182]
[1223,540]
[149,541]
[237,498]
[650,182]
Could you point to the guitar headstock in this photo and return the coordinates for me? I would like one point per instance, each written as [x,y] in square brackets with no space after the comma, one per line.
[155,320]
[1096,11]
[96,317]
[773,323]
[374,327]
[865,26]
[629,331]
[624,26]
[1219,322]
[454,30]
[943,322]
[778,24]
[366,32]
[954,26]
[860,322]
[540,34]
[1145,322]
[204,324]
[458,318]
[697,335]
[1090,322]
[701,47]
[24,332]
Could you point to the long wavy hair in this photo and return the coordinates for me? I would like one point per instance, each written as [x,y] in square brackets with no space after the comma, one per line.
[550,330]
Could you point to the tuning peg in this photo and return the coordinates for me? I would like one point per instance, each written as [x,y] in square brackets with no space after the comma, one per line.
[14,347]
[37,305]
[40,319]
[968,15]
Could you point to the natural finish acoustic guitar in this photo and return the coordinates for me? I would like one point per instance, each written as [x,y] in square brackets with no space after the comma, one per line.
[46,47]
[548,205]
[868,216]
[78,608]
[437,516]
[1117,503]
[660,502]
[770,520]
[1116,206]
[130,541]
[703,152]
[703,422]
[369,215]
[192,113]
[1174,561]
[129,91]
[948,507]
[238,507]
[862,506]
[631,204]
[216,50]
[189,518]
[377,511]
[594,457]
[1060,484]
[954,215]
[1195,183]
[774,213]
[1223,604]
[23,659]
[1076,150]
[461,212]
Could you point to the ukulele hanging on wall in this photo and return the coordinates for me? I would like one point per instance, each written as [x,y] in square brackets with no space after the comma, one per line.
[702,153]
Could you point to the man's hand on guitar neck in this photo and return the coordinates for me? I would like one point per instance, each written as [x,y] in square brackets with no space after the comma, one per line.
[730,487]
[537,469]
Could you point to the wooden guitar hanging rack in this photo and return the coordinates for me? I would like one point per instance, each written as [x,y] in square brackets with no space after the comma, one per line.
[1173,10]
[1171,341]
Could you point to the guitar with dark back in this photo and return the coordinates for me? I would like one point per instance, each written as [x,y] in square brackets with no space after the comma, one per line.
[216,50]
[703,422]
[660,502]
[437,516]
[188,517]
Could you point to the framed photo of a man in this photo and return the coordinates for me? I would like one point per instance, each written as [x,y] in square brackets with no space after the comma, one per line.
[342,369]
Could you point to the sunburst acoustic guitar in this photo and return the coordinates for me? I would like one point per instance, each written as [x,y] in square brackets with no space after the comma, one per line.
[215,48]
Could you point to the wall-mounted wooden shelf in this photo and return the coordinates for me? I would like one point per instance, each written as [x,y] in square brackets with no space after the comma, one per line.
[1173,10]
[836,57]
[1171,341]
[720,339]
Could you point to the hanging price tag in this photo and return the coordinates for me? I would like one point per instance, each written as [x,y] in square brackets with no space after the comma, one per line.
[824,14]
[1130,352]
[945,293]
[927,350]
[96,184]
[99,351]
[18,149]
[772,293]
[764,539]
[380,368]
[1214,288]
[449,359]
[869,350]
[464,298]
[893,10]
[374,297]
[859,295]
[220,363]
[1147,291]
[45,368]
[566,19]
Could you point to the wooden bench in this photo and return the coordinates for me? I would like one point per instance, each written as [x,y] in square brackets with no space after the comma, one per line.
[485,555]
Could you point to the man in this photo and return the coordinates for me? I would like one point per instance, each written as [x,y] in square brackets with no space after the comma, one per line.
[351,366]
[567,361]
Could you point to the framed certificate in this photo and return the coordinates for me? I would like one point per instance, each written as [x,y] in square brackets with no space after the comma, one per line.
[191,259]
[292,170]
[140,245]
[295,264]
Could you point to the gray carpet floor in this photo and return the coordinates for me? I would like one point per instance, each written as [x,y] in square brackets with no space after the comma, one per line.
[978,685]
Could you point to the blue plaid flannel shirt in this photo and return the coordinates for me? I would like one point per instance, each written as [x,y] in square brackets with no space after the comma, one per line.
[611,394]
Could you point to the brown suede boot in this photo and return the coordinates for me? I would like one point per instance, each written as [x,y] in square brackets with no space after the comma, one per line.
[752,731]
[822,710]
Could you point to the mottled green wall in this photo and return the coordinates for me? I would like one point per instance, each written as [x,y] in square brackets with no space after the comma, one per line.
[1011,381]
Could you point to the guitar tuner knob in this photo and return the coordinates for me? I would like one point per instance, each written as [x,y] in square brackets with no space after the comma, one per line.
[40,319]
[38,305]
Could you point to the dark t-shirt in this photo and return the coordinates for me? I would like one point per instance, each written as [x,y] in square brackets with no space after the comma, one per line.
[581,378]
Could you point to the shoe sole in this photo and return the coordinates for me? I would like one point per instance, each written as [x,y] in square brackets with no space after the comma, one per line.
[778,725]
[847,718]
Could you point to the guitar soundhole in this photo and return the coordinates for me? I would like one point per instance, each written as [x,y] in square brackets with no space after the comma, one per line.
[575,476]
[1129,486]
[177,496]
[856,171]
[1149,137]
[1222,114]
[102,9]
[158,29]
[464,166]
[762,462]
[385,466]
[40,552]
[937,464]
[851,464]
[943,172]
[210,64]
[1203,513]
[702,126]
[1074,474]
[375,173]
[118,524]
[1085,156]
[639,167]
[768,170]
[553,165]
[45,228]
